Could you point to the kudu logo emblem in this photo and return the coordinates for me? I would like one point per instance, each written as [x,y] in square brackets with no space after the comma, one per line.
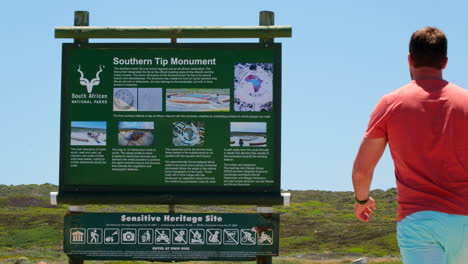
[89,84]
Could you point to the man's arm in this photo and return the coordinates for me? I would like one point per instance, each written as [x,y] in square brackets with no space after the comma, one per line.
[368,156]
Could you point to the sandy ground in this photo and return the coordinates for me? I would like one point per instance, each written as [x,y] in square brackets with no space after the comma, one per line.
[247,142]
[83,139]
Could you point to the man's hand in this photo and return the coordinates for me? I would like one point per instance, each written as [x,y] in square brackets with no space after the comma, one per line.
[363,212]
[368,156]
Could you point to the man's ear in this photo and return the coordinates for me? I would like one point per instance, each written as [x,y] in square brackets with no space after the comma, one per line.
[444,64]
[410,60]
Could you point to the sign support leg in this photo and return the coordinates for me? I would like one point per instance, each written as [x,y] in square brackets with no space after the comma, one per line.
[266,18]
[264,259]
[266,211]
[81,19]
[75,209]
[75,261]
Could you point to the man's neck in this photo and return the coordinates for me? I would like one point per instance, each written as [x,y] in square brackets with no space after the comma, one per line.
[426,73]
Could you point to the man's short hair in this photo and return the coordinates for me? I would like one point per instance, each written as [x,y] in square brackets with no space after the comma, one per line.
[428,47]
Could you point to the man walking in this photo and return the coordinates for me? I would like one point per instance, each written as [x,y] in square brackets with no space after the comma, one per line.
[425,124]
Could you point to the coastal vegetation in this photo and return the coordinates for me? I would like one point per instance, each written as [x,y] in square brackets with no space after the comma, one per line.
[318,227]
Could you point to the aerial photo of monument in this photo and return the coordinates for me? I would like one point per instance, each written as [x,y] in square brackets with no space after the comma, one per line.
[253,87]
[188,133]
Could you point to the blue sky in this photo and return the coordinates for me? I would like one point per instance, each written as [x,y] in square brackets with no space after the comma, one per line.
[136,125]
[93,124]
[248,127]
[343,56]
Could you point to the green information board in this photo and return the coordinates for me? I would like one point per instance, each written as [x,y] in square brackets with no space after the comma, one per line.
[170,237]
[170,118]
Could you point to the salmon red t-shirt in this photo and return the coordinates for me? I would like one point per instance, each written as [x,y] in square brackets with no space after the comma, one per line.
[426,125]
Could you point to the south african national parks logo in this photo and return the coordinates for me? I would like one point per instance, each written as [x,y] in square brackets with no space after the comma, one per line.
[86,82]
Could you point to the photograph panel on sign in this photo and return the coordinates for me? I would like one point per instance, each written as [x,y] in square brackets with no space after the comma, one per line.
[253,87]
[149,99]
[135,133]
[88,133]
[248,134]
[188,133]
[197,100]
[125,99]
